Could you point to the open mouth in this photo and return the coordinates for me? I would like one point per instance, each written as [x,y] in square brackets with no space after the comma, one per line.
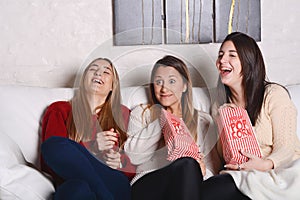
[98,81]
[225,70]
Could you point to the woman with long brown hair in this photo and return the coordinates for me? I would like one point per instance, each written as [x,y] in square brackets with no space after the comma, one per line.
[82,139]
[157,177]
[274,175]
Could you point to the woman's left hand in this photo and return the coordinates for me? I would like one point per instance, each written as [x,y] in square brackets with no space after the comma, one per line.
[254,162]
[112,158]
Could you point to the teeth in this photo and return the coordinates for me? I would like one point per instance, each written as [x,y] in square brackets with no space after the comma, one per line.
[97,81]
[226,69]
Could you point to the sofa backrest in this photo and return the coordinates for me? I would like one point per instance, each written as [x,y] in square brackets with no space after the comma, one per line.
[22,107]
[132,96]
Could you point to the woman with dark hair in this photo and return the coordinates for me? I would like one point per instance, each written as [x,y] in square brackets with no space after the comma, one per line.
[273,117]
[157,177]
[82,139]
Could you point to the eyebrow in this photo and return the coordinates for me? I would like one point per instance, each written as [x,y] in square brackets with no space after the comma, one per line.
[104,66]
[107,67]
[170,76]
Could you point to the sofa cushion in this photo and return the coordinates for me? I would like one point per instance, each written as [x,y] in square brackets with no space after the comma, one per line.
[10,153]
[21,110]
[18,181]
[23,182]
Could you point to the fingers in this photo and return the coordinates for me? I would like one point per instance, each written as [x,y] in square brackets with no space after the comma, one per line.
[248,155]
[112,159]
[107,139]
[228,105]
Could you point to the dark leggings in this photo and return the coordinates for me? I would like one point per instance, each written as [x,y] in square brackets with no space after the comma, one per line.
[221,187]
[175,181]
[85,176]
[183,180]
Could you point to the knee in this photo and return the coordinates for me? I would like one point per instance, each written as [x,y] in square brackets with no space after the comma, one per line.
[53,142]
[186,162]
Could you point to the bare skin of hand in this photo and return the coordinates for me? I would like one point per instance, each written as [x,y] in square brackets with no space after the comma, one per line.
[254,162]
[202,164]
[106,139]
[112,158]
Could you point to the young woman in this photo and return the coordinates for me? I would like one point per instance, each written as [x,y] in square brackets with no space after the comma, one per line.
[82,139]
[273,116]
[157,178]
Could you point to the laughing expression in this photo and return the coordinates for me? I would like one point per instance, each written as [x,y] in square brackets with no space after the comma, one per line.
[229,65]
[99,78]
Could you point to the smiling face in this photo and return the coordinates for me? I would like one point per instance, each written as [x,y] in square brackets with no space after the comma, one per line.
[229,65]
[168,88]
[99,78]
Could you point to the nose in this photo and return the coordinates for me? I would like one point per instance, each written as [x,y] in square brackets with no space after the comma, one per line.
[223,58]
[98,72]
[163,88]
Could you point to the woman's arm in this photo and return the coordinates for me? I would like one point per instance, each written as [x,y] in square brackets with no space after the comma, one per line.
[54,120]
[283,116]
[143,136]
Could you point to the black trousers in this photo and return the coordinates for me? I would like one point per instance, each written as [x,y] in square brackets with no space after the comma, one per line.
[183,180]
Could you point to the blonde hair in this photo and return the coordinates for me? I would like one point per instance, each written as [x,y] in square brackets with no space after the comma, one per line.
[80,123]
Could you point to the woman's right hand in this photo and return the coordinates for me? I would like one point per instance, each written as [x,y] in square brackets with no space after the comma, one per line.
[106,139]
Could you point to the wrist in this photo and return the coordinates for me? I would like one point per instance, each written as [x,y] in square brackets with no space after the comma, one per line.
[269,164]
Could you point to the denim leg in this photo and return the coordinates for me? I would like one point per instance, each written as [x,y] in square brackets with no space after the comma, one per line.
[70,160]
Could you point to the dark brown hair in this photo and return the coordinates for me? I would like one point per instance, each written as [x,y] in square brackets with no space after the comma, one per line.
[253,70]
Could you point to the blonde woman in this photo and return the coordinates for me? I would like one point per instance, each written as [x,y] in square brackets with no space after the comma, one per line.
[82,139]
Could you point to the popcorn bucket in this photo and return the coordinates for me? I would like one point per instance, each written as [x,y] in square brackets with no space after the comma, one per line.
[178,139]
[236,133]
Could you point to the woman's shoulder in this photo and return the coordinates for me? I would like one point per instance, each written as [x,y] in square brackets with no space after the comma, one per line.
[140,108]
[62,106]
[276,89]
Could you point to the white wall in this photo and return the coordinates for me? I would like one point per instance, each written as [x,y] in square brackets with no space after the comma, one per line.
[44,43]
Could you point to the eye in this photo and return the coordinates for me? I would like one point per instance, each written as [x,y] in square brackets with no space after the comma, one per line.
[172,81]
[92,69]
[220,54]
[106,72]
[159,82]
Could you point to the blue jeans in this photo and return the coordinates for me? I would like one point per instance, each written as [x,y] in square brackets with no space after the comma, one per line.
[85,177]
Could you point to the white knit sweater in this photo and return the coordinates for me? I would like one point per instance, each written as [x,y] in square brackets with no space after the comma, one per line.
[144,136]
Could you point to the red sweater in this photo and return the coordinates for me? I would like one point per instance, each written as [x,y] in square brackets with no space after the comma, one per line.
[54,124]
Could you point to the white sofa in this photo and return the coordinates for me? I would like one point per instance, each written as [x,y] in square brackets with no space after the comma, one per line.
[21,109]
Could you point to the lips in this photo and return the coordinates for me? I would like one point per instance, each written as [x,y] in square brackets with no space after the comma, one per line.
[96,80]
[225,70]
[165,95]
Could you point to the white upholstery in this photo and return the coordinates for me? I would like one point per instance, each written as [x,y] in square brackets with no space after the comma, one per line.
[21,109]
[18,181]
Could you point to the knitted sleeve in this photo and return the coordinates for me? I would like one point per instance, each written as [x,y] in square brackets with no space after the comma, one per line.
[143,136]
[283,116]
